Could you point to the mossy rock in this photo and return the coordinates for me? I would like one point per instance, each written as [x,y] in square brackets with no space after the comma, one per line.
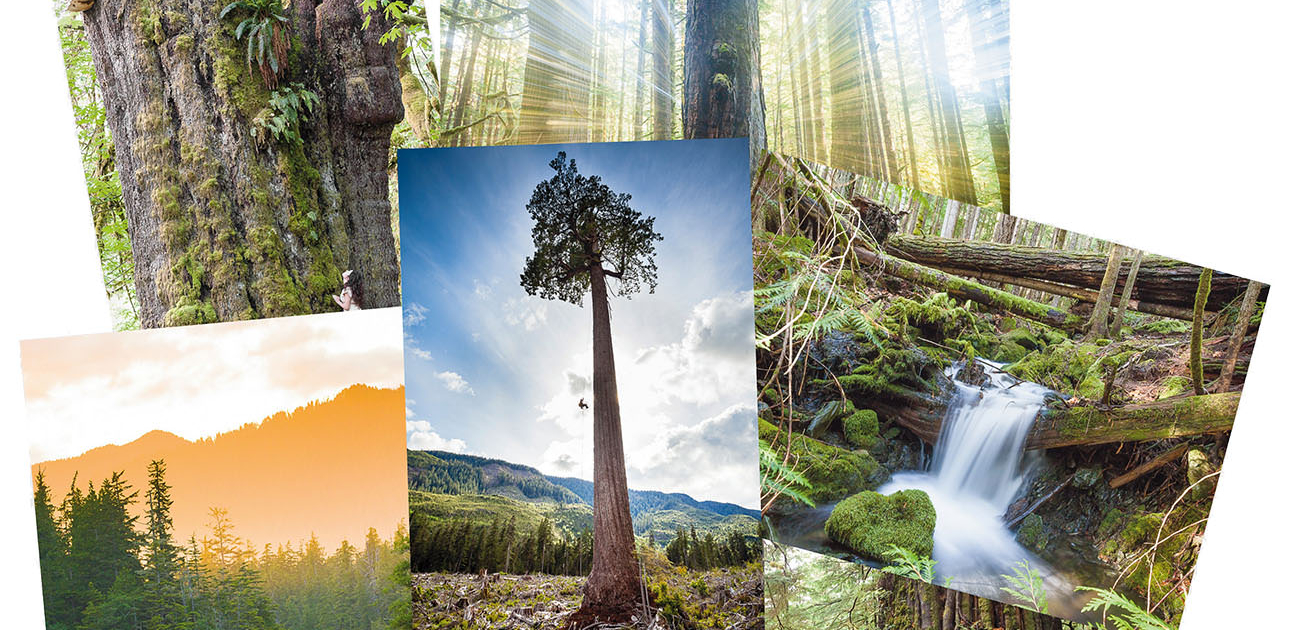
[1024,338]
[1008,352]
[1110,522]
[1032,533]
[871,523]
[828,415]
[862,428]
[1173,386]
[1085,478]
[832,472]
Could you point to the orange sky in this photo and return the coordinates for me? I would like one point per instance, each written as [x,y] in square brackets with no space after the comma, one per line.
[334,468]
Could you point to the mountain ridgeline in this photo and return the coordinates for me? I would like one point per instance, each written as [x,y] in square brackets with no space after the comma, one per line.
[491,489]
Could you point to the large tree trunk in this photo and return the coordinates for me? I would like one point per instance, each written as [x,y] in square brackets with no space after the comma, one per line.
[226,222]
[1159,280]
[722,89]
[556,74]
[613,590]
[1198,327]
[663,69]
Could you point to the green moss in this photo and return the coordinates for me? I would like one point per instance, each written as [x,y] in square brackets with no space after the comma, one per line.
[1173,386]
[190,312]
[833,472]
[1110,522]
[1032,533]
[722,81]
[861,429]
[870,523]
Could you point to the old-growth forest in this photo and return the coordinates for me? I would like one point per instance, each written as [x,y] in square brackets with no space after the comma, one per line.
[102,567]
[531,533]
[1038,417]
[911,92]
[239,156]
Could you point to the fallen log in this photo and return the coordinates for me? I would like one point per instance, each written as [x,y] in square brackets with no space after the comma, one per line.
[1159,280]
[1162,419]
[963,289]
[1076,293]
[1146,467]
[1082,425]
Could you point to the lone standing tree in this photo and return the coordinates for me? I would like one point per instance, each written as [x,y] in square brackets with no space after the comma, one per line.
[585,233]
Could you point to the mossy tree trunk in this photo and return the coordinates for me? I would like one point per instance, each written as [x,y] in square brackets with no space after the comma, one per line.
[1198,329]
[722,89]
[1129,281]
[227,222]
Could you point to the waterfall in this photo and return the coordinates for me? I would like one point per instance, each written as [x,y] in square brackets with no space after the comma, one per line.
[979,467]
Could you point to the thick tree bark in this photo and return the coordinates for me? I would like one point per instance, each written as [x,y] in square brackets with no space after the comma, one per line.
[1159,280]
[722,89]
[613,590]
[556,74]
[1244,315]
[663,69]
[227,222]
[1101,308]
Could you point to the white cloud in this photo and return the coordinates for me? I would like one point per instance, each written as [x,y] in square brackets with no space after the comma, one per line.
[455,382]
[421,436]
[481,290]
[528,312]
[414,314]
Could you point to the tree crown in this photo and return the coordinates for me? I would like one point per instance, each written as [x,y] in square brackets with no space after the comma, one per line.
[579,223]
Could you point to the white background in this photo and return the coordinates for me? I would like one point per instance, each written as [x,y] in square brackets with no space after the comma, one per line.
[1167,126]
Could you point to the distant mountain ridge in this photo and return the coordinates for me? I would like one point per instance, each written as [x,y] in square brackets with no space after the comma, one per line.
[330,468]
[494,488]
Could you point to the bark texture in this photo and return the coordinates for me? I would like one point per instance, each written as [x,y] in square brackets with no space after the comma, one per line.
[1159,280]
[1244,315]
[722,90]
[612,592]
[227,222]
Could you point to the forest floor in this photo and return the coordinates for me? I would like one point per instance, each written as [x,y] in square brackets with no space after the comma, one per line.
[719,598]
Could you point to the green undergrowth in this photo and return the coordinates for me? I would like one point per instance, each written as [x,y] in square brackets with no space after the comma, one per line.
[832,472]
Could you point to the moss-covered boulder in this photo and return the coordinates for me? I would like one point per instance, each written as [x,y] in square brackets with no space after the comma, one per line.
[1173,386]
[829,414]
[862,429]
[832,472]
[1032,533]
[871,523]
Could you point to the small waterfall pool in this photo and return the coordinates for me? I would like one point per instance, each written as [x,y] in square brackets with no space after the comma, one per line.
[977,470]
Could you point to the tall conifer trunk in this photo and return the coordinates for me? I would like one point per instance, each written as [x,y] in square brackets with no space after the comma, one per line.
[722,87]
[614,587]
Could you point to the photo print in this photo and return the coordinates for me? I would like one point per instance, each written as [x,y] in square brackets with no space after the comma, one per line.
[579,354]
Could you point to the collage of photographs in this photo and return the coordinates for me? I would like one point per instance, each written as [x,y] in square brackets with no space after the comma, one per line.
[681,314]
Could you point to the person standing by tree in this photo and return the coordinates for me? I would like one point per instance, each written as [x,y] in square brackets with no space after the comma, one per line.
[584,234]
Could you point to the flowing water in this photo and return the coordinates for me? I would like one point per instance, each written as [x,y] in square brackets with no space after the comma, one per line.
[979,467]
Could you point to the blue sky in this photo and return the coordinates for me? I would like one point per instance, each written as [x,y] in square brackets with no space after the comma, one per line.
[493,371]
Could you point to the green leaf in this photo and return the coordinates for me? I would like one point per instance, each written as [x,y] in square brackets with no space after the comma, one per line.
[229,7]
